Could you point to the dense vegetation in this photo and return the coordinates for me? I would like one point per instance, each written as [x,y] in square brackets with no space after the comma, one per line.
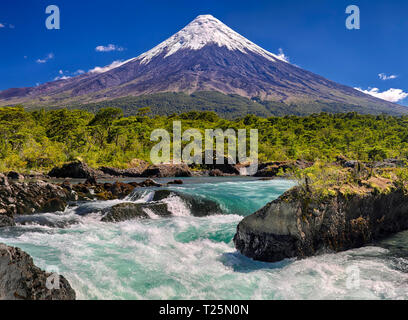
[39,140]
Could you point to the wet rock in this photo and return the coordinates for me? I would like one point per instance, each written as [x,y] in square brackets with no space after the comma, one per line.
[33,197]
[76,169]
[198,206]
[20,279]
[3,180]
[129,211]
[167,170]
[108,191]
[12,175]
[6,221]
[91,181]
[131,173]
[215,173]
[149,183]
[296,225]
[176,182]
[222,164]
[54,205]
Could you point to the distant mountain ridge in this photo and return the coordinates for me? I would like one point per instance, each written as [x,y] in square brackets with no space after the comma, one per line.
[205,56]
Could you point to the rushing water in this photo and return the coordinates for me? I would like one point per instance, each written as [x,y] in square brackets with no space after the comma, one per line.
[186,257]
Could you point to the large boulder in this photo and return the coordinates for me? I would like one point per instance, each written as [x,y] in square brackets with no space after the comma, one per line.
[222,164]
[75,169]
[198,206]
[33,197]
[12,175]
[20,279]
[167,170]
[129,211]
[299,225]
[6,221]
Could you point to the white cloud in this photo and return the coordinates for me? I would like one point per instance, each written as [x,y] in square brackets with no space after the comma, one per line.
[48,57]
[4,25]
[63,75]
[392,95]
[113,65]
[108,48]
[384,77]
[282,56]
[62,78]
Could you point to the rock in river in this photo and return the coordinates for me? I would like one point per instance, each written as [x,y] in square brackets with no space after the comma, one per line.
[20,279]
[298,226]
[128,211]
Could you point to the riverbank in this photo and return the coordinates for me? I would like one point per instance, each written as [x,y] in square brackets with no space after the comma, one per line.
[333,209]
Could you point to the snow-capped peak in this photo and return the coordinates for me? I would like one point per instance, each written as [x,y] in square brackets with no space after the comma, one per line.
[204,30]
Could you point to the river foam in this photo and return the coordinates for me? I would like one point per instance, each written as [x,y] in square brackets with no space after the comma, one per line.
[186,257]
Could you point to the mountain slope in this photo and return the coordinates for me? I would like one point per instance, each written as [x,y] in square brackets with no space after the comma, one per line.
[206,55]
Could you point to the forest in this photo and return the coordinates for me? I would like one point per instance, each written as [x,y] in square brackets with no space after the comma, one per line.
[39,140]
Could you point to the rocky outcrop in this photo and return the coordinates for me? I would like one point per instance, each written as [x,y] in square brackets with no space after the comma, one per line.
[296,225]
[167,170]
[34,197]
[6,221]
[129,211]
[12,175]
[114,172]
[271,169]
[160,205]
[91,189]
[20,279]
[224,167]
[75,169]
[198,206]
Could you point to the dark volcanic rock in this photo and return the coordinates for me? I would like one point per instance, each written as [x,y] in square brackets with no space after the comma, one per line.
[167,170]
[131,173]
[176,182]
[296,226]
[12,175]
[33,197]
[54,205]
[76,169]
[216,173]
[129,211]
[271,169]
[222,165]
[199,207]
[3,180]
[20,279]
[149,183]
[6,221]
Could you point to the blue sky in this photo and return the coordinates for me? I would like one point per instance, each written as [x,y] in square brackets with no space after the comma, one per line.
[311,33]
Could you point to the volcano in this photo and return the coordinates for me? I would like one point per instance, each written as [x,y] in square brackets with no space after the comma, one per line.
[204,57]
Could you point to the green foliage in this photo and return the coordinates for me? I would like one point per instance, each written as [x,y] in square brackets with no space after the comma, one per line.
[41,139]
